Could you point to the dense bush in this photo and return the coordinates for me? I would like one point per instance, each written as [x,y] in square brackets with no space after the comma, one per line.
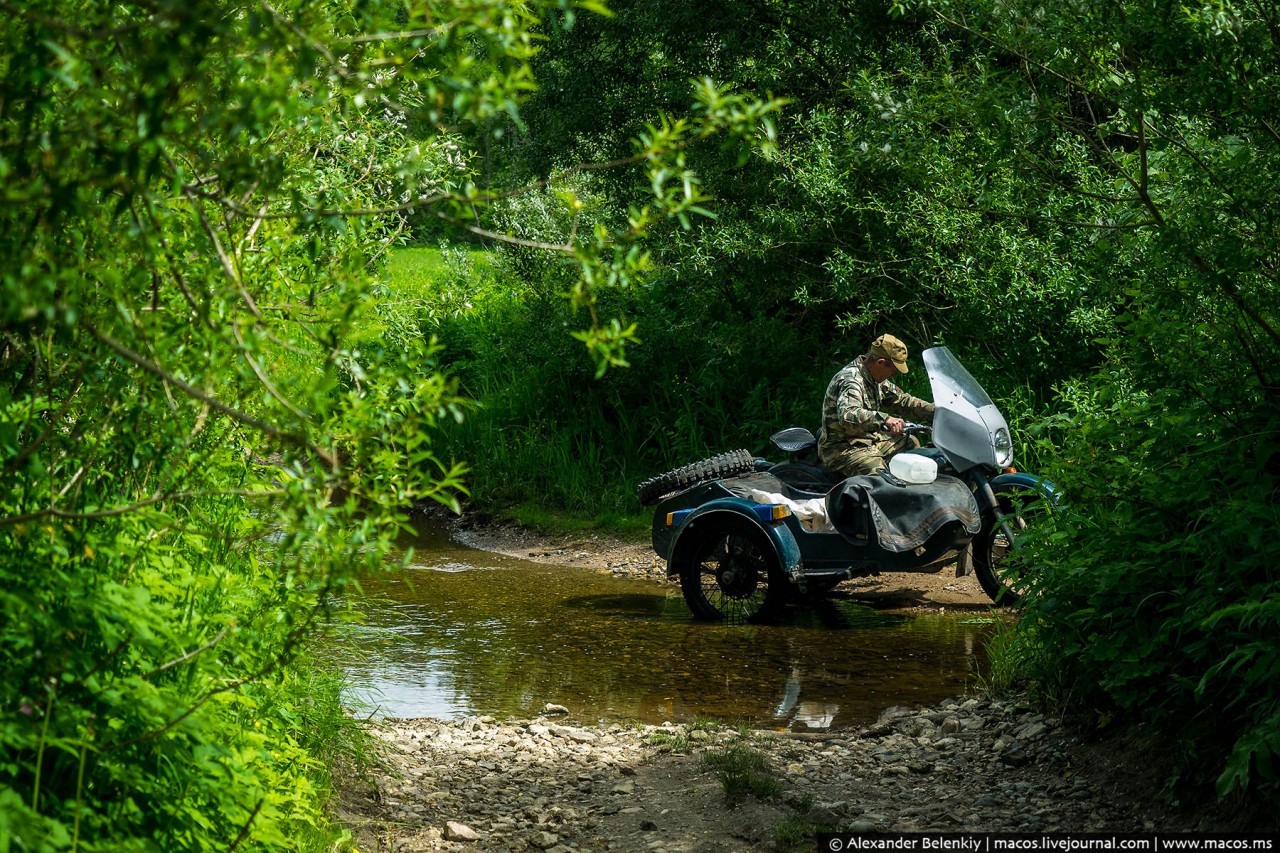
[1157,602]
[146,706]
[1157,598]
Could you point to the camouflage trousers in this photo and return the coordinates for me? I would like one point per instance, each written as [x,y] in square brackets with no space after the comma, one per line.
[868,459]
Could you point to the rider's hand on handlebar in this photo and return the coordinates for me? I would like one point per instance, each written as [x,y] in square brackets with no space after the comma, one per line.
[895,425]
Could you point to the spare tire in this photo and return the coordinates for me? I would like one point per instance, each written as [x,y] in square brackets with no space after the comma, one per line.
[731,464]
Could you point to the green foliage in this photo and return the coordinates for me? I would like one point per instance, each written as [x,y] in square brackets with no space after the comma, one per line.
[547,427]
[212,415]
[877,210]
[670,742]
[1006,664]
[1169,612]
[141,678]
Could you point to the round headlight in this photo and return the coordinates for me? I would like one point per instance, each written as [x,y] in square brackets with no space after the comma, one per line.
[1004,448]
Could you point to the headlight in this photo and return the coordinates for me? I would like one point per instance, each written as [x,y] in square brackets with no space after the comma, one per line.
[1004,447]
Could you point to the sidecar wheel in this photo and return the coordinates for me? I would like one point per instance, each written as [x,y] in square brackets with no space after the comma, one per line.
[997,569]
[732,464]
[731,574]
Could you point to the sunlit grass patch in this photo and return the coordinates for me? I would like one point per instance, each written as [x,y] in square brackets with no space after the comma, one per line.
[422,270]
[408,266]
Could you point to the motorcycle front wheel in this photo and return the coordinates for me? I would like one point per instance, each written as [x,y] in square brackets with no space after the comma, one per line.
[731,574]
[998,571]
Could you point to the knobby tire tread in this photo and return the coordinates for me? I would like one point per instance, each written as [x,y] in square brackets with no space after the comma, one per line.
[732,464]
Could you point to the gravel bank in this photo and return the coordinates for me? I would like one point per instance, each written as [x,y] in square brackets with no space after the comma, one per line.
[977,763]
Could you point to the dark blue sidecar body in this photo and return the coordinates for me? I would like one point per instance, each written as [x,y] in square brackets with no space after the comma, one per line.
[862,526]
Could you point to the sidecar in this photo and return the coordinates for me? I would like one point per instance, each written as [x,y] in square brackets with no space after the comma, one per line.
[743,545]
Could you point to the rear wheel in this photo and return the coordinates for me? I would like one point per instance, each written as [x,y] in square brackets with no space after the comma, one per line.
[999,571]
[732,464]
[731,573]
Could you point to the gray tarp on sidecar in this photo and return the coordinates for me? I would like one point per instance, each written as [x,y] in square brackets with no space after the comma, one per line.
[905,517]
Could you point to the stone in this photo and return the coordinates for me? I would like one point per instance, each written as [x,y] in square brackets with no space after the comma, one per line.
[917,727]
[1016,755]
[544,840]
[1031,730]
[826,814]
[454,831]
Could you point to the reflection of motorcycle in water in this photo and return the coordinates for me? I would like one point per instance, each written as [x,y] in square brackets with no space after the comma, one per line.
[813,715]
[805,675]
[743,533]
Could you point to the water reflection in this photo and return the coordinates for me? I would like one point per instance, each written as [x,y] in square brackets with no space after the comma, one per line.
[465,632]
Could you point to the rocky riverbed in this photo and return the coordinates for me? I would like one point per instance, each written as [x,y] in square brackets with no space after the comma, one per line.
[976,763]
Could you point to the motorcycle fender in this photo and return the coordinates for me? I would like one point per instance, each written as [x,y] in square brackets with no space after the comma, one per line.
[1029,481]
[777,532]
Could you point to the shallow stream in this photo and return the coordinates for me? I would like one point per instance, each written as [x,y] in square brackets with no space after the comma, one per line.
[465,632]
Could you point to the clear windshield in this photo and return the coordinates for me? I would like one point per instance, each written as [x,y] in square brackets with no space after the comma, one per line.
[950,379]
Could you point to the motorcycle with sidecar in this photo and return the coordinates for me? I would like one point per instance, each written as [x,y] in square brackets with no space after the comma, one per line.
[744,534]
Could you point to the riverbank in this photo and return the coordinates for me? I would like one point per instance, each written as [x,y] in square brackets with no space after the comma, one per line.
[977,762]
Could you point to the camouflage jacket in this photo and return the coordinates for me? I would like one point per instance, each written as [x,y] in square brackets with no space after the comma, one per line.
[855,409]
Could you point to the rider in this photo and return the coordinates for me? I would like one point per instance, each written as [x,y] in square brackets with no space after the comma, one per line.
[862,413]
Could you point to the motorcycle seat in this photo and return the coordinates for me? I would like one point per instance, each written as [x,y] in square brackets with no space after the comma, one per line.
[793,440]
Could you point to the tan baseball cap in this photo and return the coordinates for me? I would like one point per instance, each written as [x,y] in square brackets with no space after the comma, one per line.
[887,346]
